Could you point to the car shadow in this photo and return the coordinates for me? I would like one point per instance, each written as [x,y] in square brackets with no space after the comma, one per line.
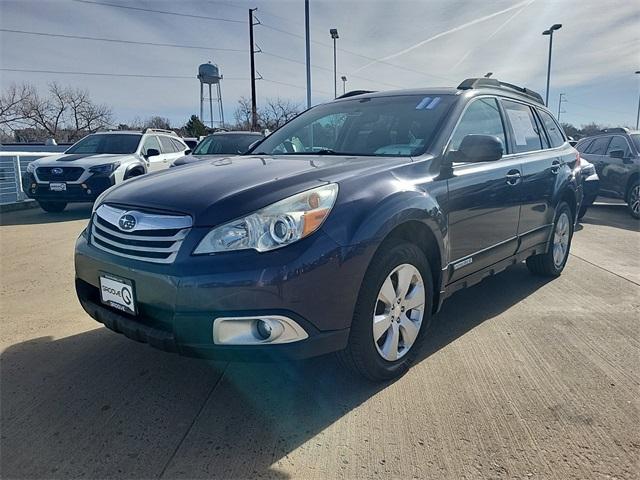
[96,404]
[611,215]
[34,216]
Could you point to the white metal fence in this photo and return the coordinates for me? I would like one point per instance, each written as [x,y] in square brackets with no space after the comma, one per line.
[12,165]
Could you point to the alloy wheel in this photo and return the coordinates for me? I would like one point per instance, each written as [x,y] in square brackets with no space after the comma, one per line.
[398,313]
[634,200]
[561,239]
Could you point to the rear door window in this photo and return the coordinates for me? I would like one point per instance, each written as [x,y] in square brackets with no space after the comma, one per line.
[167,145]
[179,146]
[598,146]
[583,145]
[553,130]
[524,129]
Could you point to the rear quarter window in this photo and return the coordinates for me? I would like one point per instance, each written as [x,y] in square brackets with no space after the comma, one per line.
[554,133]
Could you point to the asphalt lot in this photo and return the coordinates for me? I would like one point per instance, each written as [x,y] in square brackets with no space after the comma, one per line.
[520,378]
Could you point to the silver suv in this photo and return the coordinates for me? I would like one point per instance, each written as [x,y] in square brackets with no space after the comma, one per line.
[97,162]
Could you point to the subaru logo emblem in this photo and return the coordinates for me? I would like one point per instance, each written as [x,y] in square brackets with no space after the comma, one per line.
[56,171]
[127,222]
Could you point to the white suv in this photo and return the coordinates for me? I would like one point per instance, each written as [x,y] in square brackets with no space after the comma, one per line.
[97,162]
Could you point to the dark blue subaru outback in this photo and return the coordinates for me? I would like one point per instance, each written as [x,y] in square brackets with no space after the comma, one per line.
[343,231]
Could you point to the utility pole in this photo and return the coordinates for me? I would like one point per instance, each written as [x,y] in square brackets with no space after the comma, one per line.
[561,99]
[254,110]
[308,51]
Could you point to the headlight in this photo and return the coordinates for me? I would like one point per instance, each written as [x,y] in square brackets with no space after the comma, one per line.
[31,167]
[275,226]
[105,169]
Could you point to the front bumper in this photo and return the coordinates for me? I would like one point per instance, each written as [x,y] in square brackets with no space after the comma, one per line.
[86,191]
[314,282]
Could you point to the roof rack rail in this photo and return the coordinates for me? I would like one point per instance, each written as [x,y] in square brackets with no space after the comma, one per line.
[615,130]
[470,83]
[353,93]
[158,130]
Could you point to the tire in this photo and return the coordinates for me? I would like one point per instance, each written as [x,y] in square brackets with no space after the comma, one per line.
[548,264]
[363,354]
[633,199]
[52,207]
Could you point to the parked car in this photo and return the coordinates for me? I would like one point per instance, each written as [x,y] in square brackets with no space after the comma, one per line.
[97,162]
[590,186]
[344,230]
[615,153]
[220,144]
[191,142]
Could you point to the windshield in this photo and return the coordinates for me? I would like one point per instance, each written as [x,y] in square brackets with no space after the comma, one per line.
[636,139]
[231,144]
[107,143]
[401,125]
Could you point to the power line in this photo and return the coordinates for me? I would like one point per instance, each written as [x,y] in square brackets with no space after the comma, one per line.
[366,57]
[277,82]
[108,74]
[163,12]
[114,40]
[319,67]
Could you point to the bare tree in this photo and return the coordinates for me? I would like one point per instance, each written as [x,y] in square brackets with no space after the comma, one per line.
[64,113]
[278,112]
[157,122]
[242,114]
[274,114]
[12,105]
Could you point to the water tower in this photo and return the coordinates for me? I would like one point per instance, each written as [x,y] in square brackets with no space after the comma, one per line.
[209,74]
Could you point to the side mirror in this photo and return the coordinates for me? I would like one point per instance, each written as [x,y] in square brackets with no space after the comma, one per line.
[480,148]
[152,152]
[187,151]
[616,153]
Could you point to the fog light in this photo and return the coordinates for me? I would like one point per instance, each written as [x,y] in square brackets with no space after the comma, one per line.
[84,185]
[263,329]
[89,192]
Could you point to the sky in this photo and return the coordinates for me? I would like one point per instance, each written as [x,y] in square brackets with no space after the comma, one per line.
[383,45]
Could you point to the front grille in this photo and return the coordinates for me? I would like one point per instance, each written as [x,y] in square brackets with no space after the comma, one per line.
[69,174]
[153,238]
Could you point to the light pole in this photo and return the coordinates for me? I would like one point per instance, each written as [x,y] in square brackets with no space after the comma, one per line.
[334,35]
[638,114]
[307,42]
[552,28]
[561,100]
[344,84]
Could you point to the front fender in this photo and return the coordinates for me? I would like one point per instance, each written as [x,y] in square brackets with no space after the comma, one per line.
[368,214]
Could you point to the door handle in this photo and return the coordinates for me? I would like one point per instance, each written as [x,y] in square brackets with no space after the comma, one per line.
[513,177]
[555,167]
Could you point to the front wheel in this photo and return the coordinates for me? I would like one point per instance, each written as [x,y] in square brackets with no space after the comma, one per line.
[552,262]
[392,312]
[53,207]
[633,199]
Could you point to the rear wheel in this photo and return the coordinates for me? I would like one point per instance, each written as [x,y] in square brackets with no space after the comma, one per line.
[52,207]
[391,315]
[552,262]
[633,199]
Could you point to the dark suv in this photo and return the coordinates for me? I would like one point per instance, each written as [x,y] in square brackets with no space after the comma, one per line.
[616,155]
[344,230]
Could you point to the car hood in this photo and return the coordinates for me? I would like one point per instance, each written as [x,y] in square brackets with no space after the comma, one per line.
[216,191]
[81,160]
[197,158]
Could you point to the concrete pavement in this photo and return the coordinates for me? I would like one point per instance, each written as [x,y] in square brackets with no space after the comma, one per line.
[520,378]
